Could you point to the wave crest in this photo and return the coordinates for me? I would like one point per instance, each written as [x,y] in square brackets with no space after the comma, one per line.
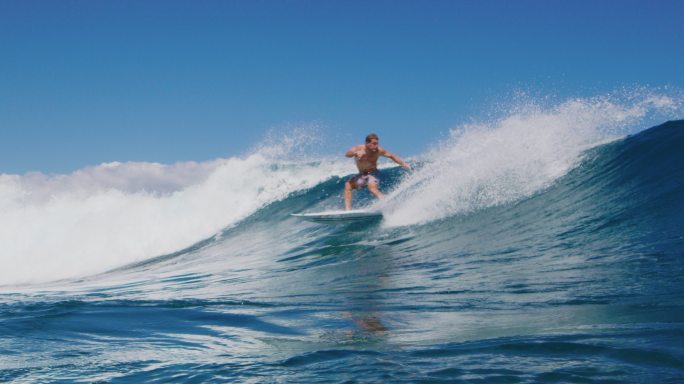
[491,163]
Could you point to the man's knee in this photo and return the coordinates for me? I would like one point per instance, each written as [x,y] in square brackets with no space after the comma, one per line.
[373,188]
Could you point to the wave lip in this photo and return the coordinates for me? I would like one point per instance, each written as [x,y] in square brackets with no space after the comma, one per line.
[490,164]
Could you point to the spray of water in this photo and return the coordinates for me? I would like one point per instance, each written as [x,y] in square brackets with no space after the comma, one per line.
[102,217]
[490,163]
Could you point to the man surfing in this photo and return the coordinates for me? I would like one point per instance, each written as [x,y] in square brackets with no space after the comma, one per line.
[366,156]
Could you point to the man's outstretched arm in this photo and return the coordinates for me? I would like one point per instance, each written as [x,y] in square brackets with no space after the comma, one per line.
[396,159]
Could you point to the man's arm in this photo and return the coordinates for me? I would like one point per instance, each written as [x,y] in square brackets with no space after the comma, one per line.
[395,158]
[353,151]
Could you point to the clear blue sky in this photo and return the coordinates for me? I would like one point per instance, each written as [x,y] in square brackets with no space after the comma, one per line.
[88,81]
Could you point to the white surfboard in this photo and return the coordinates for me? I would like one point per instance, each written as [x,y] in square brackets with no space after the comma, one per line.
[341,217]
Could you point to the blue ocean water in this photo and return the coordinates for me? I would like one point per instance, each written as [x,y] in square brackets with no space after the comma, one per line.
[577,280]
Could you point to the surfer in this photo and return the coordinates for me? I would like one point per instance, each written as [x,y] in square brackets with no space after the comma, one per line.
[366,156]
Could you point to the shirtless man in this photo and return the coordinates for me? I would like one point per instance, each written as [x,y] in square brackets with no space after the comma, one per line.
[366,156]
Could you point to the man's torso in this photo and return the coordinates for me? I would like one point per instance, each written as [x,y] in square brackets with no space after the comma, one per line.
[368,162]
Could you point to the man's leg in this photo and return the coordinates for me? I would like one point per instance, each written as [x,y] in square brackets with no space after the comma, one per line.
[373,188]
[347,195]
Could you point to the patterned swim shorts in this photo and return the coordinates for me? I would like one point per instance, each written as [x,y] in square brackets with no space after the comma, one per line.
[363,179]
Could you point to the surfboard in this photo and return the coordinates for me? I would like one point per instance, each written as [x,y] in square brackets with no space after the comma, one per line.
[340,217]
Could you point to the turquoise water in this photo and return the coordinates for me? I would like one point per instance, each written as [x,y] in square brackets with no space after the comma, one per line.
[579,279]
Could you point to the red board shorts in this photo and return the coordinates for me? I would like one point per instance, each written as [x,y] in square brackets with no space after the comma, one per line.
[363,179]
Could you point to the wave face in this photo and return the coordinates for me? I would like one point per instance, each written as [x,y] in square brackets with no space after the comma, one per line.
[544,247]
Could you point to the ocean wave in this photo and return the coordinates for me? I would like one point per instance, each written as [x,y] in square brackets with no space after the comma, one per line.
[116,214]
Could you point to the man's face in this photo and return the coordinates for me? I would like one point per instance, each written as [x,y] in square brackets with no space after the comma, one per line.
[372,145]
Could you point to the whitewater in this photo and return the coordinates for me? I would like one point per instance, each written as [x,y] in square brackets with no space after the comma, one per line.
[542,245]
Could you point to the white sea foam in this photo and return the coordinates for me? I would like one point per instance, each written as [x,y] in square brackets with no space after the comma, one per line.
[98,218]
[486,164]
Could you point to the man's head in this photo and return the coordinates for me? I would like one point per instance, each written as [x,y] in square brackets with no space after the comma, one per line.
[372,142]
